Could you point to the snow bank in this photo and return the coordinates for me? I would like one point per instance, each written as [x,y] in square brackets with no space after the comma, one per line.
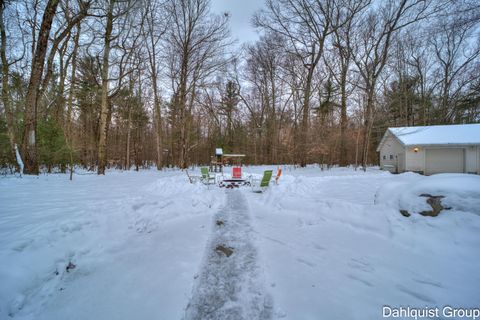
[102,224]
[335,245]
[461,192]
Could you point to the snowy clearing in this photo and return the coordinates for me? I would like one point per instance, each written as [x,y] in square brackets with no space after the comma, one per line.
[321,244]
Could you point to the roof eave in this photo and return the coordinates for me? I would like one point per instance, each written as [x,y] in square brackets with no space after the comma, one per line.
[442,144]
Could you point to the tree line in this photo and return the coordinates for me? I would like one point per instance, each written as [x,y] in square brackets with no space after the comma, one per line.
[140,83]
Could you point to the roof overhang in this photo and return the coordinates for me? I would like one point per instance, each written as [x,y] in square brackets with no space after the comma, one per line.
[442,145]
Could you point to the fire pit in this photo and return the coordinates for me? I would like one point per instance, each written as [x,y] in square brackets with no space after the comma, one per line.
[233,183]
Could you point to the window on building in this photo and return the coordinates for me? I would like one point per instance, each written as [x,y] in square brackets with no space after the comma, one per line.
[384,157]
[391,157]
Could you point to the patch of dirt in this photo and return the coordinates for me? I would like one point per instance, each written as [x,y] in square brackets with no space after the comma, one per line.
[227,251]
[70,266]
[405,213]
[434,201]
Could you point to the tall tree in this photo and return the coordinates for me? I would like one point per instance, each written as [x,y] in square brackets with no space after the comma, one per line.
[121,14]
[372,47]
[6,98]
[107,38]
[155,27]
[29,137]
[306,25]
[456,48]
[196,45]
[339,66]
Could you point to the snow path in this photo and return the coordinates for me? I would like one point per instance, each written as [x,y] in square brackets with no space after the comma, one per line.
[231,287]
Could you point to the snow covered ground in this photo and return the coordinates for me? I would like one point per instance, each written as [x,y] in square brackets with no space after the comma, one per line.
[320,245]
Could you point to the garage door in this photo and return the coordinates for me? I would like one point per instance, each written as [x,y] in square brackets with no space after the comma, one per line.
[444,160]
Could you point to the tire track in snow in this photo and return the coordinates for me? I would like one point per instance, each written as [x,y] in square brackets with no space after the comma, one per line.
[230,287]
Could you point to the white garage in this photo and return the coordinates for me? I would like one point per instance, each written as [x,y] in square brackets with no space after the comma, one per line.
[431,149]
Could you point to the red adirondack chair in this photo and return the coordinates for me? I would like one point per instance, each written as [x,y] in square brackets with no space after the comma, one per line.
[237,172]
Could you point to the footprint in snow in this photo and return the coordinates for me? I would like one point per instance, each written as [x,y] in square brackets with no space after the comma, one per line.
[361,265]
[308,263]
[429,282]
[359,279]
[318,247]
[415,294]
[138,206]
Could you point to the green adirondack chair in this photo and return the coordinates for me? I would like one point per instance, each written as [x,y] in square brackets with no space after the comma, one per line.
[207,178]
[261,185]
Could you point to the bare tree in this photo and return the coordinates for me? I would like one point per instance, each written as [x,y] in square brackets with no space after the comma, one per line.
[29,137]
[125,40]
[34,87]
[372,47]
[196,44]
[265,75]
[102,142]
[155,27]
[339,66]
[6,97]
[306,25]
[456,48]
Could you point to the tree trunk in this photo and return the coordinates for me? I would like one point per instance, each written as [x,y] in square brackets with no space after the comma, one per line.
[368,125]
[68,119]
[305,117]
[60,99]
[188,120]
[357,142]
[102,141]
[343,119]
[129,130]
[29,137]
[158,121]
[6,87]
[183,114]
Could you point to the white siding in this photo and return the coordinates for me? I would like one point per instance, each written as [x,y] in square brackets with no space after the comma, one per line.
[391,150]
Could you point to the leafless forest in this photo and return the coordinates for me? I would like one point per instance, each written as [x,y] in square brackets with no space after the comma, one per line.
[137,83]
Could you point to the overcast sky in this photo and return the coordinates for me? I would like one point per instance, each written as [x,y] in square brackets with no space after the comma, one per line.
[241,12]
